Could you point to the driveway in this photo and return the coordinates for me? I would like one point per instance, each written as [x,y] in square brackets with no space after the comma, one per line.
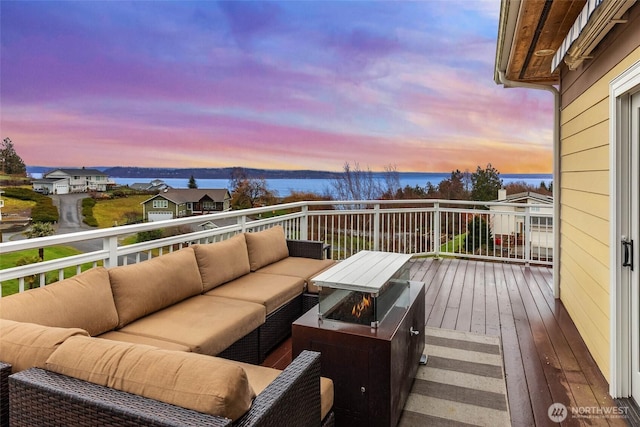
[69,208]
[70,219]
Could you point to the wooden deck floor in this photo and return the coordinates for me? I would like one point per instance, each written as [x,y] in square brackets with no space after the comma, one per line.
[546,360]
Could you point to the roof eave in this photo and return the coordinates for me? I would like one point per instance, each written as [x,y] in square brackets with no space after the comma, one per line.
[509,10]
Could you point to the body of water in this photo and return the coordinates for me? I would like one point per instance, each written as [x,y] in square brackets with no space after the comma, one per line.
[284,187]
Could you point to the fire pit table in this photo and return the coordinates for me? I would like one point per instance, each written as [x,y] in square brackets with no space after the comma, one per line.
[369,329]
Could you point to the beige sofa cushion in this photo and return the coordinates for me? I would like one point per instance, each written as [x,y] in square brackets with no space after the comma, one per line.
[266,247]
[305,268]
[270,290]
[149,286]
[205,324]
[261,376]
[137,339]
[202,383]
[83,301]
[221,262]
[27,345]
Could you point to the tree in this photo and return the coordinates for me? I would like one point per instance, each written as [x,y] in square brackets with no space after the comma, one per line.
[249,192]
[356,184]
[479,235]
[453,188]
[192,182]
[486,183]
[40,229]
[11,163]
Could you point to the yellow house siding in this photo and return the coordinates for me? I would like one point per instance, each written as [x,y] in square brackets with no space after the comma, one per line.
[594,204]
[595,182]
[584,222]
[596,136]
[597,114]
[597,343]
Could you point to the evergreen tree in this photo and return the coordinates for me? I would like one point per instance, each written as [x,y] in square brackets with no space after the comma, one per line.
[453,187]
[10,162]
[192,182]
[486,183]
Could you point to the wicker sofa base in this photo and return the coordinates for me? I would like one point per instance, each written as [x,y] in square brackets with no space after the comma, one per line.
[246,349]
[309,301]
[43,398]
[277,326]
[5,371]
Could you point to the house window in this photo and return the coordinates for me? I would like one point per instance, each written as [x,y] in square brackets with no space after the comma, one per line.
[160,203]
[541,223]
[208,206]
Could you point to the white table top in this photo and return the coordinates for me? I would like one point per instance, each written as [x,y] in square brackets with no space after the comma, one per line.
[366,271]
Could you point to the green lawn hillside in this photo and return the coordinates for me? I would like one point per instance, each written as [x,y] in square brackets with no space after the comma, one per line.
[20,202]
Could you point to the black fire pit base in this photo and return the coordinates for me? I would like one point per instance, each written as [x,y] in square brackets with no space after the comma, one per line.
[372,368]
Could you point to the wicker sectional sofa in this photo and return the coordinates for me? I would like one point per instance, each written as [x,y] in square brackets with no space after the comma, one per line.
[224,304]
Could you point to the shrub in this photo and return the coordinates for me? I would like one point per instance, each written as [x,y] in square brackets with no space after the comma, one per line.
[44,211]
[87,212]
[479,235]
[29,281]
[145,236]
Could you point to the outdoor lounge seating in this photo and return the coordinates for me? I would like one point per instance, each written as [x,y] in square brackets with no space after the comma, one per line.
[210,299]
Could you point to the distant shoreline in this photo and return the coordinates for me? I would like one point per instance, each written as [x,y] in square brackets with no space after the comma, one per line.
[225,173]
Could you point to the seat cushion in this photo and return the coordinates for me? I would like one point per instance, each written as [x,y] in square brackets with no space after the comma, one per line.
[202,383]
[149,286]
[205,324]
[270,290]
[304,268]
[137,339]
[83,301]
[27,345]
[221,262]
[266,247]
[261,376]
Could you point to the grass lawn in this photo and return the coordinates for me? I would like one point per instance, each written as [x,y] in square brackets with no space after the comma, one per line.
[454,244]
[10,260]
[112,212]
[16,206]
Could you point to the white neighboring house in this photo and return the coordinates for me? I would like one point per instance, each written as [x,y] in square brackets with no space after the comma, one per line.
[508,222]
[64,181]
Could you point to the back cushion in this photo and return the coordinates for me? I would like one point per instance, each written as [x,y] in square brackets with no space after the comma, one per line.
[27,345]
[221,262]
[152,285]
[266,247]
[202,383]
[83,301]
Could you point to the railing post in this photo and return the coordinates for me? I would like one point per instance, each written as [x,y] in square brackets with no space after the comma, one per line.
[242,222]
[110,244]
[436,229]
[527,236]
[304,223]
[376,227]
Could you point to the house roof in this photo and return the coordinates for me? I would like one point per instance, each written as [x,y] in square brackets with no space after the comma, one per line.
[78,172]
[185,195]
[536,36]
[528,195]
[47,180]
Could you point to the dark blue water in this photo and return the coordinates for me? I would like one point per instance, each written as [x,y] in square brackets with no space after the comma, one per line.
[284,187]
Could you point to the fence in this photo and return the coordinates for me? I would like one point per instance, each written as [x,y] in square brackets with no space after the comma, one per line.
[507,232]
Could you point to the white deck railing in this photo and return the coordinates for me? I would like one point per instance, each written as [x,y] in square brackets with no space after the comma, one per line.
[507,232]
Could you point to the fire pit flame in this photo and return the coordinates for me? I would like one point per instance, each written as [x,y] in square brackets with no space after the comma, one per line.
[361,306]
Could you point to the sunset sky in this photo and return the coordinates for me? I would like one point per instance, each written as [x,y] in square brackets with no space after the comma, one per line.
[279,85]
